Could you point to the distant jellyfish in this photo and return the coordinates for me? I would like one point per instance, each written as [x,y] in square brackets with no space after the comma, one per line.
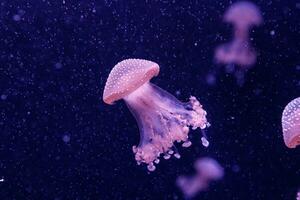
[162,119]
[243,15]
[298,195]
[291,123]
[207,170]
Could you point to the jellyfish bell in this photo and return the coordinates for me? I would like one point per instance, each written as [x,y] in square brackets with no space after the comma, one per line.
[162,119]
[243,12]
[291,123]
[243,15]
[121,80]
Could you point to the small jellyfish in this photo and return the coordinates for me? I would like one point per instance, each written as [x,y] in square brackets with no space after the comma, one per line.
[291,123]
[207,170]
[243,15]
[162,119]
[298,195]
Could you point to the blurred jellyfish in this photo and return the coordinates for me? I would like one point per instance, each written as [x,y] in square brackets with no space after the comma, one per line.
[162,119]
[207,170]
[291,123]
[298,195]
[243,15]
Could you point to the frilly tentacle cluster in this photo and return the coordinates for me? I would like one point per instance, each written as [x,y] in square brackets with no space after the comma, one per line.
[175,124]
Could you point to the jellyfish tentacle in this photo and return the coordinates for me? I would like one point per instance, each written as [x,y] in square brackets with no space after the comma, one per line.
[162,120]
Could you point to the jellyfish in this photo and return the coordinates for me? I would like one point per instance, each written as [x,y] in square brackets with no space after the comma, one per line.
[161,118]
[298,195]
[291,123]
[207,170]
[243,15]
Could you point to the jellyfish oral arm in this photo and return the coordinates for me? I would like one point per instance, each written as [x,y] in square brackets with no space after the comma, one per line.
[162,120]
[241,33]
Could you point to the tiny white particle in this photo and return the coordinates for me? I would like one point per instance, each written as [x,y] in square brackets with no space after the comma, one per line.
[272,32]
[16,18]
[66,138]
[58,65]
[204,141]
[3,97]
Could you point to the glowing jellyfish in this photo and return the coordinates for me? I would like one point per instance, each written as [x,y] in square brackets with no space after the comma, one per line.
[298,195]
[291,123]
[243,15]
[207,169]
[162,119]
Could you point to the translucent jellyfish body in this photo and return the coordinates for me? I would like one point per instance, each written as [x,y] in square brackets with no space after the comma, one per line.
[291,123]
[207,170]
[162,119]
[243,15]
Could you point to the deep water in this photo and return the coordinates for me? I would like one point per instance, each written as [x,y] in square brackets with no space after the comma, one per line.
[58,140]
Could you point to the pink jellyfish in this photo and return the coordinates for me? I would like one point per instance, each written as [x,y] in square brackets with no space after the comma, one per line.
[298,195]
[162,119]
[291,123]
[243,15]
[207,169]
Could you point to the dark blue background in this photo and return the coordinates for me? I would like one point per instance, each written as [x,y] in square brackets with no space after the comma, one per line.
[54,61]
